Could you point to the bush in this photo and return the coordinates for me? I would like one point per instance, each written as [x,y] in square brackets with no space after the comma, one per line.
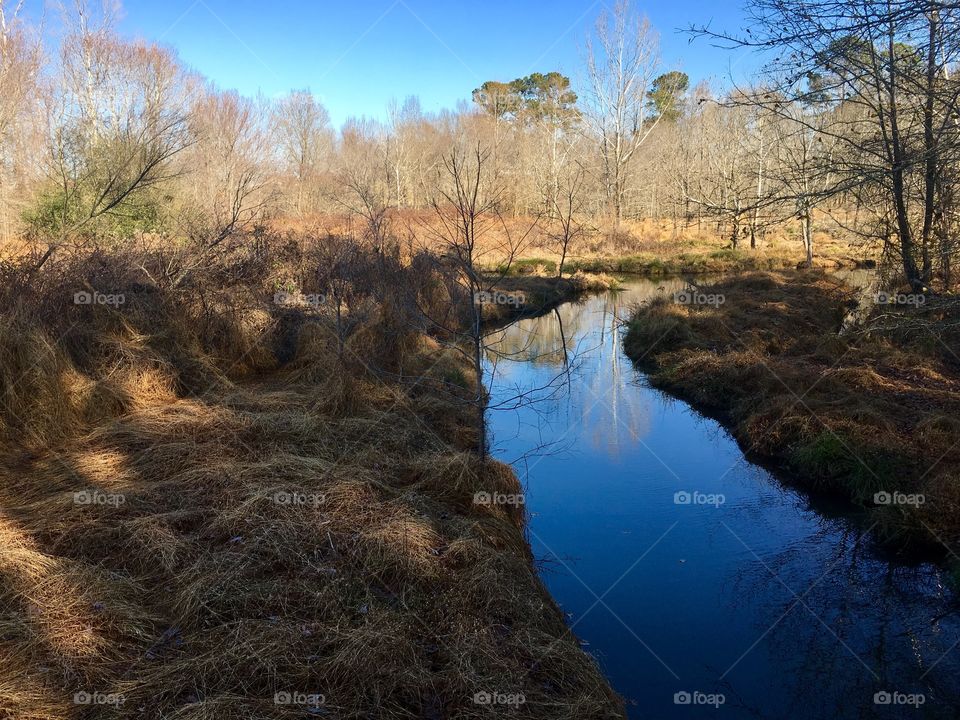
[53,214]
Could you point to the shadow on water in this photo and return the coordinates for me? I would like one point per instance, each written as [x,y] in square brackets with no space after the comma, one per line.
[691,573]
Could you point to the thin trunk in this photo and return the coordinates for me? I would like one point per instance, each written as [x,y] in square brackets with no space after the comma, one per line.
[930,149]
[756,208]
[897,175]
[808,234]
[563,254]
[481,406]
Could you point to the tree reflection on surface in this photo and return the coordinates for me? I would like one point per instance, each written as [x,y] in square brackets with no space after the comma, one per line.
[776,598]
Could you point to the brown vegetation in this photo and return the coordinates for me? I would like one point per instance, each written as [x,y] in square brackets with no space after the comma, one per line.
[210,498]
[874,409]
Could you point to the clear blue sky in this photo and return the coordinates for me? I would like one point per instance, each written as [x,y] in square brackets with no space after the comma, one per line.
[357,54]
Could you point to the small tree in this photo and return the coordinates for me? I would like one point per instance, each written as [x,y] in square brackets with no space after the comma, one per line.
[469,225]
[567,205]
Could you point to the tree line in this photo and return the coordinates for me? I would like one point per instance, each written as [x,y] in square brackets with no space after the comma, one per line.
[854,116]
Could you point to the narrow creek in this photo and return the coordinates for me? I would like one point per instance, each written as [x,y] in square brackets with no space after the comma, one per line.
[743,587]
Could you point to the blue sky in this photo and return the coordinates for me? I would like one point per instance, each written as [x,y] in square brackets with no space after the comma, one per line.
[357,55]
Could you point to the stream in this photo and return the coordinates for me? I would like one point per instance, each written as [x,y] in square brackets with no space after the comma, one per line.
[702,584]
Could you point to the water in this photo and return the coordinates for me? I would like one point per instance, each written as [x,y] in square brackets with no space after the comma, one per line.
[775,599]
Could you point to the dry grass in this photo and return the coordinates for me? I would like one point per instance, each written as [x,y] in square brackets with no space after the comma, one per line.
[858,413]
[267,516]
[537,293]
[647,246]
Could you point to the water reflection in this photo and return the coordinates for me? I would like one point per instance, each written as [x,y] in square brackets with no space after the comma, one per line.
[584,337]
[775,599]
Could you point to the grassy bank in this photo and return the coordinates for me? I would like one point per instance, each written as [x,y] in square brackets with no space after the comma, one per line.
[212,506]
[536,294]
[875,410]
[682,263]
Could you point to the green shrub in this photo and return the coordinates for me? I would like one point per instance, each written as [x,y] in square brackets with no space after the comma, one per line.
[53,212]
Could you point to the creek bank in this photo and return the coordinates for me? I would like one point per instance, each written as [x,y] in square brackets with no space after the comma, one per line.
[523,296]
[872,415]
[658,264]
[211,502]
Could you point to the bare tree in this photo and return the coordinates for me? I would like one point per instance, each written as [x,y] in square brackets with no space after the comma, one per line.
[566,198]
[405,121]
[304,139]
[227,189]
[465,212]
[621,63]
[805,162]
[363,179]
[725,184]
[469,225]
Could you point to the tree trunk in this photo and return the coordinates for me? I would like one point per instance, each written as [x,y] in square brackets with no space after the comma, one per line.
[898,188]
[930,149]
[808,235]
[481,405]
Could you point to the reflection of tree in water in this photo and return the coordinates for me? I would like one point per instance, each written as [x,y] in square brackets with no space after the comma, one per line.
[585,336]
[611,410]
[900,628]
[541,340]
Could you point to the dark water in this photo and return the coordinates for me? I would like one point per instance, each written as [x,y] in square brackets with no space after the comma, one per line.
[776,600]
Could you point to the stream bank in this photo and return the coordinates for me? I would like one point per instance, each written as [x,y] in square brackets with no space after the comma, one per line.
[872,416]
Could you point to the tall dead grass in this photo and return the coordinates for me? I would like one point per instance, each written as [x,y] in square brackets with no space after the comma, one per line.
[212,506]
[861,413]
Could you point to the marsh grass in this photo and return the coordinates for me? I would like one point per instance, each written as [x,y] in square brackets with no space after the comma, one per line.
[858,413]
[270,514]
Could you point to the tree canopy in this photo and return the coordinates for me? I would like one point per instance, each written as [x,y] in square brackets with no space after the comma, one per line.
[665,98]
[536,97]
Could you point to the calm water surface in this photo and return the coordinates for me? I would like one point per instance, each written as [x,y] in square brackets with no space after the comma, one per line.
[772,598]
